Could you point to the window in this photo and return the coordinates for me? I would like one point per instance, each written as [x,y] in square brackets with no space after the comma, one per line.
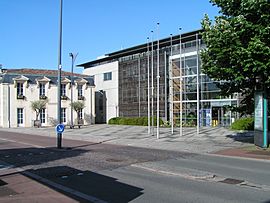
[20,116]
[107,76]
[80,114]
[42,115]
[63,115]
[41,89]
[63,89]
[80,90]
[20,90]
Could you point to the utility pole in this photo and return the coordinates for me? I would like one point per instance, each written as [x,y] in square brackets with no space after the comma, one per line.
[73,58]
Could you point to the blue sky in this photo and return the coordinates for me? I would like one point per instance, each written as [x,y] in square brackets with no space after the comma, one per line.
[30,28]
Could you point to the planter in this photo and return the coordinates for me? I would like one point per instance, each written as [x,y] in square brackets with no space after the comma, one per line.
[37,123]
[20,97]
[64,97]
[81,97]
[43,97]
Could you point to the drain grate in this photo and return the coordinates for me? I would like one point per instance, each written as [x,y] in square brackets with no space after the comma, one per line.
[231,181]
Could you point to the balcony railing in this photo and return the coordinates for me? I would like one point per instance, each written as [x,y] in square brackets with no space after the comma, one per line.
[64,97]
[44,97]
[81,97]
[20,96]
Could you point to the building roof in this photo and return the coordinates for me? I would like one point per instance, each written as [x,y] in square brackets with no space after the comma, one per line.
[42,72]
[185,37]
[8,75]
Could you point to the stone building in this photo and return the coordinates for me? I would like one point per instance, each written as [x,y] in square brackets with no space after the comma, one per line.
[20,87]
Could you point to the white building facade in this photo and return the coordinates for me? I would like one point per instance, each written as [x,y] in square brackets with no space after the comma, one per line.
[106,90]
[20,87]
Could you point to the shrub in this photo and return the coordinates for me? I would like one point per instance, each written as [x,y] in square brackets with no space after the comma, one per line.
[243,124]
[140,121]
[114,120]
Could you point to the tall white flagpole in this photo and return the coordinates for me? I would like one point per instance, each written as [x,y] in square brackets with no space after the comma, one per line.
[158,76]
[171,89]
[152,82]
[148,86]
[198,87]
[181,84]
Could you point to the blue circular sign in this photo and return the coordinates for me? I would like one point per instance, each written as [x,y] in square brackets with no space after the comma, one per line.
[60,128]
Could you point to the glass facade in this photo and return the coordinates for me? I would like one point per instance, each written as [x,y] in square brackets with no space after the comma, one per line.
[184,89]
[195,95]
[133,84]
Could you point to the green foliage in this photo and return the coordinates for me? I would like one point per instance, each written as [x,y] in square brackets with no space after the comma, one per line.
[77,105]
[38,105]
[238,49]
[243,124]
[140,121]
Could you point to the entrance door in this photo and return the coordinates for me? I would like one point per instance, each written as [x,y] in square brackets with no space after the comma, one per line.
[20,117]
[216,116]
[100,107]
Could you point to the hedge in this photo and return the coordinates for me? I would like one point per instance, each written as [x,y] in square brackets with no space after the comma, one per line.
[140,121]
[243,124]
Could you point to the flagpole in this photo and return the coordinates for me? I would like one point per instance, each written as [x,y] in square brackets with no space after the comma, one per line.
[181,91]
[158,76]
[171,89]
[148,86]
[152,81]
[198,87]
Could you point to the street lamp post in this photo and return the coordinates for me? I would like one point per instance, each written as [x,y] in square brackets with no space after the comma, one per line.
[59,135]
[73,58]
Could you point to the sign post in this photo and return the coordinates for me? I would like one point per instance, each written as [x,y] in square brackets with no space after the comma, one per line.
[260,120]
[59,129]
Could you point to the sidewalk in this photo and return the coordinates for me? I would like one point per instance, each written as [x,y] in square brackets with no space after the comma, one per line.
[18,187]
[210,140]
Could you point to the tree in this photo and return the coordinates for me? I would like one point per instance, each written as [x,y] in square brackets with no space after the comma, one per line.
[238,51]
[78,106]
[37,106]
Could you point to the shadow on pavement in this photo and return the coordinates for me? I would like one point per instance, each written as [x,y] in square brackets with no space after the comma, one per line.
[90,184]
[245,137]
[21,157]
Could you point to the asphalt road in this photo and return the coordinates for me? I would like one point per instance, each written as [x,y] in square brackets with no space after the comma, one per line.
[95,172]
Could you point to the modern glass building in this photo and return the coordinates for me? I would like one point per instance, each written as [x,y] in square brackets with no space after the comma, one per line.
[185,92]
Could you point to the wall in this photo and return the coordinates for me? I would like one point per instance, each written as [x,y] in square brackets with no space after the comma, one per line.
[31,93]
[110,87]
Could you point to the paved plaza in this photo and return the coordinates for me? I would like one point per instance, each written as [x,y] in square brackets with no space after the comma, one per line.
[209,140]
